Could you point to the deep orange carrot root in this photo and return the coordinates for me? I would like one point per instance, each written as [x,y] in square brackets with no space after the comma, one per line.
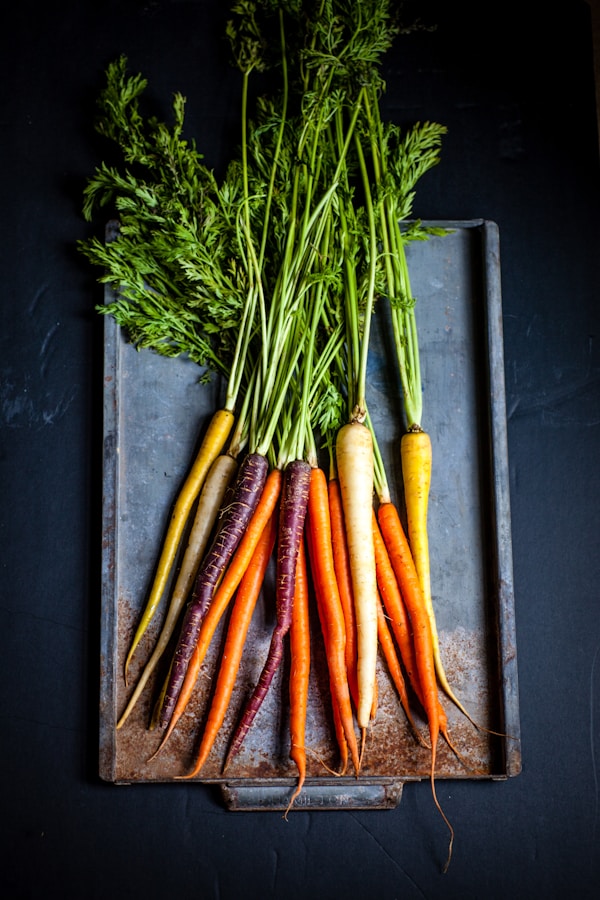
[340,733]
[344,580]
[408,582]
[394,668]
[329,604]
[300,653]
[394,607]
[338,726]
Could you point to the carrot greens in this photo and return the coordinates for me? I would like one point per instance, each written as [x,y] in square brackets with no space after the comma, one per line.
[268,278]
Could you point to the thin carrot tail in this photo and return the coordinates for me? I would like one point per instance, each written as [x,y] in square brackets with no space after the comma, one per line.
[394,668]
[274,657]
[298,755]
[191,676]
[340,733]
[408,581]
[299,673]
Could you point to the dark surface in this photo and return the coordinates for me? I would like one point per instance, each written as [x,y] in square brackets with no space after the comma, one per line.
[517,95]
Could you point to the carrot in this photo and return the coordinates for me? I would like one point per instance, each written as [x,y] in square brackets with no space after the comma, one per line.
[209,504]
[299,672]
[386,643]
[237,630]
[375,699]
[416,456]
[393,608]
[211,446]
[232,577]
[354,455]
[294,501]
[338,726]
[344,580]
[329,604]
[393,605]
[408,581]
[247,490]
[340,732]
[415,450]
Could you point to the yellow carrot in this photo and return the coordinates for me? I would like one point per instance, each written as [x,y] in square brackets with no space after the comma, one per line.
[212,445]
[416,456]
[415,451]
[354,458]
[209,504]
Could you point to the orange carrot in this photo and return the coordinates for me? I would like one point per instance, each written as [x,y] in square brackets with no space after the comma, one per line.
[394,609]
[225,592]
[299,672]
[329,603]
[340,734]
[408,582]
[394,606]
[344,579]
[241,615]
[393,663]
[338,726]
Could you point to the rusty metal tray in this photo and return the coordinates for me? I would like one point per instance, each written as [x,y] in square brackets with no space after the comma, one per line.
[154,414]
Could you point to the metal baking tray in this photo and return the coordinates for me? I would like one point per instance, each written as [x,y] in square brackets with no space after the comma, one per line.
[154,414]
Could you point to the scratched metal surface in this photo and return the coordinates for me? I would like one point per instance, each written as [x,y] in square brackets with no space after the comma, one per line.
[154,414]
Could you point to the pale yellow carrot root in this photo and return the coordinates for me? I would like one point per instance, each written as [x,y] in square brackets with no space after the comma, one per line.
[354,458]
[212,494]
[214,441]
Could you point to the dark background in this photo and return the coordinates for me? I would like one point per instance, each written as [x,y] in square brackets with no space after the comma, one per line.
[514,83]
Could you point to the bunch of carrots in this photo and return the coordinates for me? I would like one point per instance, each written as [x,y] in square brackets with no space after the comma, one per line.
[270,278]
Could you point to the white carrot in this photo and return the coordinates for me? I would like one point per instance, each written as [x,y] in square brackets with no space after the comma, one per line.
[354,456]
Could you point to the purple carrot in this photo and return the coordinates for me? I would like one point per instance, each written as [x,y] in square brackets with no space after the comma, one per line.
[234,520]
[294,501]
